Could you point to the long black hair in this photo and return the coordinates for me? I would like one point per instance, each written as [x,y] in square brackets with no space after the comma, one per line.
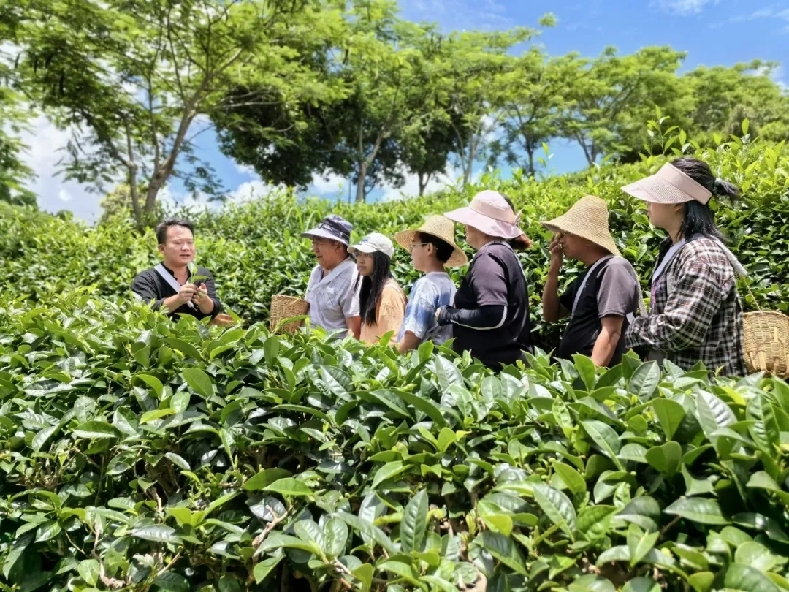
[373,286]
[698,217]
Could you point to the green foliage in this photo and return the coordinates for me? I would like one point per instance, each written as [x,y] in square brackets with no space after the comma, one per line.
[255,250]
[133,77]
[13,172]
[137,453]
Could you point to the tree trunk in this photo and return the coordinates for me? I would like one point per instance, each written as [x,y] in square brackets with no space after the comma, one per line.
[424,179]
[531,148]
[135,198]
[360,179]
[131,167]
[472,155]
[162,172]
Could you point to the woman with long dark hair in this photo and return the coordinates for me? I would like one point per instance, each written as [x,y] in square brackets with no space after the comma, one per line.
[695,311]
[490,314]
[381,299]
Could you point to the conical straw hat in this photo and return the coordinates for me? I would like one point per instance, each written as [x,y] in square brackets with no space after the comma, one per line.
[440,227]
[587,218]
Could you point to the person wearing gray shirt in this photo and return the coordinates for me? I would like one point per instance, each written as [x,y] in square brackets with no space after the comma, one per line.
[332,288]
[601,302]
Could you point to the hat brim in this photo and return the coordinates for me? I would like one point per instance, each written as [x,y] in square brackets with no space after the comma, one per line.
[368,250]
[558,225]
[489,226]
[321,233]
[656,190]
[405,239]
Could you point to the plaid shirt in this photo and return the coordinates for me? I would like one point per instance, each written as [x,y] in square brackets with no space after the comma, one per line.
[696,313]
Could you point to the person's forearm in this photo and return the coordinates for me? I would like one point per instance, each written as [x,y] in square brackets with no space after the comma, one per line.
[550,297]
[483,317]
[172,303]
[408,342]
[604,347]
[206,305]
[354,325]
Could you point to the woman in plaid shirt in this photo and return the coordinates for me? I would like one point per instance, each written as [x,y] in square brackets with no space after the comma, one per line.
[695,313]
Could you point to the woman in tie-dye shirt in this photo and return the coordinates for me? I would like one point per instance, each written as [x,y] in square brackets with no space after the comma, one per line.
[432,248]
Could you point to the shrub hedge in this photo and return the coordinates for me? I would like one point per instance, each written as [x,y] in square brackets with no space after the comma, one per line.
[142,454]
[255,250]
[139,454]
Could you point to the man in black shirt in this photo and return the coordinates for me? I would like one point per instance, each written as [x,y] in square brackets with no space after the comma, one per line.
[172,285]
[603,300]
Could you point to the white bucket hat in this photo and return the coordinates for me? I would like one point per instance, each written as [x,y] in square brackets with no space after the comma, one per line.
[490,213]
[669,185]
[375,241]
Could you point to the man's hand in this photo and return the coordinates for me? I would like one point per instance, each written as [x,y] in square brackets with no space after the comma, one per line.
[186,293]
[202,300]
[557,254]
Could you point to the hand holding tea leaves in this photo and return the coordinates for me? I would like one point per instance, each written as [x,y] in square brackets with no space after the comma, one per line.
[202,300]
[187,293]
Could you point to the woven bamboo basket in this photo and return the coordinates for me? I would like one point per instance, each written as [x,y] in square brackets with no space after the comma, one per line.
[766,337]
[284,307]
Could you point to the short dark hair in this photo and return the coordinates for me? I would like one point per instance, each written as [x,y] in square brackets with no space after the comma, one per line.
[443,249]
[161,229]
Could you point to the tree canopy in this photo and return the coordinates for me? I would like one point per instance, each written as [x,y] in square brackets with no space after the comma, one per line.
[299,89]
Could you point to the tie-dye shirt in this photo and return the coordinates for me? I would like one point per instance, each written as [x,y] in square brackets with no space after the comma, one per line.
[428,294]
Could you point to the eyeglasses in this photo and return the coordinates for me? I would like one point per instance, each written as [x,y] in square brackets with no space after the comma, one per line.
[415,245]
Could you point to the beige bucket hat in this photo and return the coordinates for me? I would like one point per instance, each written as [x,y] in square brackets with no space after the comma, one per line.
[440,227]
[669,185]
[490,213]
[587,218]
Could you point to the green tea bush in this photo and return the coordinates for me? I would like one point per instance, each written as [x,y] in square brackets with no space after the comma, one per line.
[138,453]
[255,250]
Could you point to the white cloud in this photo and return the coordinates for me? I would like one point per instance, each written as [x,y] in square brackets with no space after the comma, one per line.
[252,190]
[764,13]
[45,143]
[683,7]
[779,77]
[328,185]
[245,169]
[411,186]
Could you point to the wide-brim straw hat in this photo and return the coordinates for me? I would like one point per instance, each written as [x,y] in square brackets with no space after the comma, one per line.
[587,218]
[669,186]
[440,227]
[490,213]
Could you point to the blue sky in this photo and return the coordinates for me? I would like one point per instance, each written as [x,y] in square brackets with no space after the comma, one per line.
[713,32]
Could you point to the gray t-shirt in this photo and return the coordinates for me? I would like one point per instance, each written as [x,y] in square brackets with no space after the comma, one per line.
[612,289]
[333,297]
